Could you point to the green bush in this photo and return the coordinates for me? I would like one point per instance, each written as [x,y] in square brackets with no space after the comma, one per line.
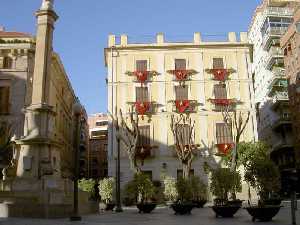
[87,186]
[223,182]
[199,189]
[184,189]
[106,188]
[170,189]
[140,188]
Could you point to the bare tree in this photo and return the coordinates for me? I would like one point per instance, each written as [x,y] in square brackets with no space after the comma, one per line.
[129,135]
[6,146]
[239,123]
[183,129]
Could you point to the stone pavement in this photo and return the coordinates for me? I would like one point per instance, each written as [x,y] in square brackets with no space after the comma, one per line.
[161,216]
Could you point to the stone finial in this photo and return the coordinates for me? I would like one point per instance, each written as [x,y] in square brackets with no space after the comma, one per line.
[111,40]
[244,37]
[124,40]
[197,38]
[231,37]
[160,38]
[47,5]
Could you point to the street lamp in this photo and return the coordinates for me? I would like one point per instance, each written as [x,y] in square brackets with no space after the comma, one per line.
[77,110]
[118,174]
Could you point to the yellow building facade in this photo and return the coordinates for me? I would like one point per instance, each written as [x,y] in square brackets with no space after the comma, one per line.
[180,78]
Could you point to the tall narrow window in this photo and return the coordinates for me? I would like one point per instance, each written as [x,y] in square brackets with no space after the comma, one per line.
[218,63]
[141,65]
[4,100]
[223,133]
[220,91]
[7,63]
[181,92]
[184,133]
[142,94]
[144,137]
[180,64]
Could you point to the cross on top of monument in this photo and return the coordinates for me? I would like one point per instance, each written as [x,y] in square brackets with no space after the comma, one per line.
[47,5]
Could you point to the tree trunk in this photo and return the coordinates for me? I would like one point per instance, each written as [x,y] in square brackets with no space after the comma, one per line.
[186,168]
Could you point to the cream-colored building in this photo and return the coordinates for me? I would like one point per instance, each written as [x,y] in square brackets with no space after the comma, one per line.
[163,92]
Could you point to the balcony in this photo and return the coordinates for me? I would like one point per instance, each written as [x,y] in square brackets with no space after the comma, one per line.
[281,145]
[283,121]
[142,76]
[271,34]
[275,57]
[280,100]
[144,107]
[184,106]
[220,74]
[278,11]
[278,86]
[182,75]
[224,104]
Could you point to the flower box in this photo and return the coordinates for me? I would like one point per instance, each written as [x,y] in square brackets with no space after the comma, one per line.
[182,75]
[224,148]
[142,76]
[220,74]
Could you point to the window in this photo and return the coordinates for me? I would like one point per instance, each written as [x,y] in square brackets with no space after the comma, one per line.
[101,123]
[144,137]
[141,65]
[4,100]
[97,133]
[180,173]
[223,133]
[220,91]
[7,63]
[142,94]
[181,92]
[184,133]
[218,63]
[180,64]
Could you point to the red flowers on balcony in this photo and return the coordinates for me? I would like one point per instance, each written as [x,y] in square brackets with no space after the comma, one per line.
[142,76]
[220,74]
[223,102]
[224,148]
[182,75]
[142,107]
[182,105]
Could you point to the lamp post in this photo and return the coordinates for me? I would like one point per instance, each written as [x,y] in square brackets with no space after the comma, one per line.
[118,175]
[77,109]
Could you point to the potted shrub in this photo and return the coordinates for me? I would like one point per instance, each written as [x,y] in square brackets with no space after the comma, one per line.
[184,204]
[263,176]
[170,190]
[143,190]
[199,191]
[87,186]
[106,188]
[224,182]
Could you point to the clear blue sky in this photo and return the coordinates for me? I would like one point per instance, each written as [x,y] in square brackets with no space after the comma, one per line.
[82,29]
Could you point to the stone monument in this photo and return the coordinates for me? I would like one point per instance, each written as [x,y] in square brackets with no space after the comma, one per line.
[35,191]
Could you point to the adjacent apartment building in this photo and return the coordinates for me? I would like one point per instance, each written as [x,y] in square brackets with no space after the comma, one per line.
[290,44]
[161,79]
[269,23]
[98,138]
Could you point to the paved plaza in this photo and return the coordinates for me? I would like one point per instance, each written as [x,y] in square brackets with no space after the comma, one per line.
[161,216]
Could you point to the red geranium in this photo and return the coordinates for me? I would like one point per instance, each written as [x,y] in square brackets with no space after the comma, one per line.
[141,76]
[182,105]
[142,107]
[220,74]
[225,148]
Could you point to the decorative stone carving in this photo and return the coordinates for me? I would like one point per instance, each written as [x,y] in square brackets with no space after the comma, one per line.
[47,4]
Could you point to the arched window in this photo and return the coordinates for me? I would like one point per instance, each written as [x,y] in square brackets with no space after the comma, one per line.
[7,62]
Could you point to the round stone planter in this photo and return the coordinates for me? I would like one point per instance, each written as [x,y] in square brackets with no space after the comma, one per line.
[182,208]
[146,207]
[263,213]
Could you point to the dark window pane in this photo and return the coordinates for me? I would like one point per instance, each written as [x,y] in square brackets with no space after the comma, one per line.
[180,64]
[141,65]
[144,138]
[218,63]
[181,92]
[7,63]
[223,133]
[142,94]
[220,91]
[4,100]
